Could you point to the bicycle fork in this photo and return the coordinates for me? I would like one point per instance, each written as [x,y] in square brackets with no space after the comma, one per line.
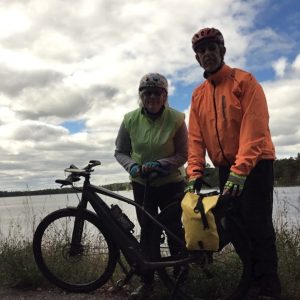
[76,247]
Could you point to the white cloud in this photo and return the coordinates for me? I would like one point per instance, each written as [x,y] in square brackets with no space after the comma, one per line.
[280,66]
[13,20]
[296,65]
[283,101]
[66,61]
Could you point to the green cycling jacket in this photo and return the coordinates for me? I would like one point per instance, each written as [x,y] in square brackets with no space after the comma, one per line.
[152,140]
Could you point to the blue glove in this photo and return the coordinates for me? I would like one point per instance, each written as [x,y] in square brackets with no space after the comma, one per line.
[194,184]
[150,166]
[234,185]
[135,170]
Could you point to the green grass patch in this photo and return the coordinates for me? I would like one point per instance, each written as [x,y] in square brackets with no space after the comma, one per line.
[18,267]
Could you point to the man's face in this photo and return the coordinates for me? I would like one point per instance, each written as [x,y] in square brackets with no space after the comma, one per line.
[210,56]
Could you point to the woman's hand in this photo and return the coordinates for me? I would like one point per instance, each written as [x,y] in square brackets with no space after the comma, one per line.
[150,166]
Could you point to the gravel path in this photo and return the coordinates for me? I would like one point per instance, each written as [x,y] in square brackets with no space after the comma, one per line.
[55,294]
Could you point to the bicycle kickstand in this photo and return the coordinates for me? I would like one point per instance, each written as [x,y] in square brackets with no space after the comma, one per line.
[128,275]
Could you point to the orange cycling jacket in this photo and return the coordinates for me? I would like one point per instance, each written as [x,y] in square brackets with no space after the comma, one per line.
[229,119]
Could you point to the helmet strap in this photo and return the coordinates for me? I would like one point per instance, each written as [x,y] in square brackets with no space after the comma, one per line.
[153,115]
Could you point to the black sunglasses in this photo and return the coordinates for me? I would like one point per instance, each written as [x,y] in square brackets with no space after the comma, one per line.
[148,93]
[203,48]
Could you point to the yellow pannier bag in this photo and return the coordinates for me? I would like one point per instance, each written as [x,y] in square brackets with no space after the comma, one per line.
[199,223]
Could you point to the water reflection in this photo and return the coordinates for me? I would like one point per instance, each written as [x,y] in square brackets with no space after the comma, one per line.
[19,216]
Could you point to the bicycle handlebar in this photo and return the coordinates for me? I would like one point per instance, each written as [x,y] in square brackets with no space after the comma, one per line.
[79,172]
[76,173]
[159,171]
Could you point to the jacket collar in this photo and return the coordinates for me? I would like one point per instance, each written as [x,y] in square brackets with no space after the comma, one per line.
[217,77]
[153,116]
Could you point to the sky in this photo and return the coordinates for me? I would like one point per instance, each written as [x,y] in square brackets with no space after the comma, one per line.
[70,70]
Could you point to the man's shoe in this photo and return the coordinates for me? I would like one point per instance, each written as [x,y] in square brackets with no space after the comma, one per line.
[144,291]
[252,293]
[267,288]
[270,288]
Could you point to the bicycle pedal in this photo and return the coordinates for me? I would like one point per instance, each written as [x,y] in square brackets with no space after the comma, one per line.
[120,283]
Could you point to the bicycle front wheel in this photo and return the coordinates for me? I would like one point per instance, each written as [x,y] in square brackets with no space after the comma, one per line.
[75,268]
[219,275]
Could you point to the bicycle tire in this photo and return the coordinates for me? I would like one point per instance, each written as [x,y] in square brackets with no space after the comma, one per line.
[218,275]
[86,271]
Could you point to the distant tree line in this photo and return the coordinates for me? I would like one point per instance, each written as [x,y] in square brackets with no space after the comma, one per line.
[121,186]
[286,173]
[37,192]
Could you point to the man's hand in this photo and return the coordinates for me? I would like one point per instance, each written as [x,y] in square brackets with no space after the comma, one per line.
[234,185]
[150,166]
[135,170]
[194,184]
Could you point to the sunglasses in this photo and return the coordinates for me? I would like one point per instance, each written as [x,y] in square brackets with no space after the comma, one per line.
[203,48]
[155,93]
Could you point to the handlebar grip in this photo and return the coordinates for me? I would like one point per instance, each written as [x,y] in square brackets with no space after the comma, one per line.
[63,182]
[157,172]
[95,162]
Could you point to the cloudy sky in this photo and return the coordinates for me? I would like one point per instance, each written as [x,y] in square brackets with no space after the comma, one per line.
[70,70]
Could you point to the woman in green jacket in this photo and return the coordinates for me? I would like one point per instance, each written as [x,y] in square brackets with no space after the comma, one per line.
[151,137]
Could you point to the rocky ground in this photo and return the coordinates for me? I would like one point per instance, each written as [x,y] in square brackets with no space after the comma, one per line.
[56,294]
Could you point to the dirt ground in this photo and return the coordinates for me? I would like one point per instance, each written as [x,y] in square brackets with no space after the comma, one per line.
[56,294]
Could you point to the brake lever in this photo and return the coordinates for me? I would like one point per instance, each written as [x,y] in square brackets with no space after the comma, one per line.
[74,178]
[72,167]
[63,182]
[95,162]
[68,181]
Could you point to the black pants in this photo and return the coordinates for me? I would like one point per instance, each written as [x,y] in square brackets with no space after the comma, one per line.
[255,207]
[157,197]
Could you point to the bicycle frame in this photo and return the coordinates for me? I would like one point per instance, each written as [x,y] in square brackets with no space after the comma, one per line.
[126,241]
[111,225]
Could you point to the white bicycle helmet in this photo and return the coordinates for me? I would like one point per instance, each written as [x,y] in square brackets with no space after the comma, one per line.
[154,80]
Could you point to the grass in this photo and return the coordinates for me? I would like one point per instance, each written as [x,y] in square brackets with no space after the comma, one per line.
[18,268]
[288,249]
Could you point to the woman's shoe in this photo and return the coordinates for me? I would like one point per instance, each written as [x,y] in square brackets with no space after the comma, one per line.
[144,291]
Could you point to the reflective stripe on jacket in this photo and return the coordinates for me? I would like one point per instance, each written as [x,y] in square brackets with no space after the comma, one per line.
[152,140]
[229,119]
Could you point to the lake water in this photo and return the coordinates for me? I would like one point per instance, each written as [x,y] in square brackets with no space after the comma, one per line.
[19,216]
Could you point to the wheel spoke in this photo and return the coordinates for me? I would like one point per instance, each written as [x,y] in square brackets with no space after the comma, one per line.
[81,266]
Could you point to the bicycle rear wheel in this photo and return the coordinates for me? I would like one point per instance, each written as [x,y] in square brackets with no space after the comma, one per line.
[219,275]
[80,268]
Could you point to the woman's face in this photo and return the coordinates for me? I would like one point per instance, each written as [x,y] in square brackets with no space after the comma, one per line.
[153,99]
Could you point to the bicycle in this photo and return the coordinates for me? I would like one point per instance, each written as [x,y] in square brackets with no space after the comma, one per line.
[78,250]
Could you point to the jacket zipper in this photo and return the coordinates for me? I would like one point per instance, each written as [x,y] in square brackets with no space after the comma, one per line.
[223,107]
[216,123]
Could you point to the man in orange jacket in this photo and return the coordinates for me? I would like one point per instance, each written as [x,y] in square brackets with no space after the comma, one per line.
[229,121]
